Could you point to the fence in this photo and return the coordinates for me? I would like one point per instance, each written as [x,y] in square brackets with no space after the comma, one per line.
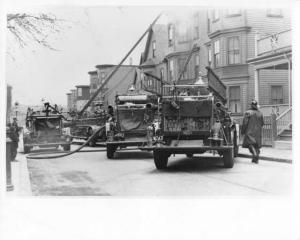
[269,131]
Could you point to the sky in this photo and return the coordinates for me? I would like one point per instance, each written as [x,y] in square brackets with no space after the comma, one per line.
[92,36]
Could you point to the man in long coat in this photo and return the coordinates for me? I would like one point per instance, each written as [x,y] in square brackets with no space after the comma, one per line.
[252,130]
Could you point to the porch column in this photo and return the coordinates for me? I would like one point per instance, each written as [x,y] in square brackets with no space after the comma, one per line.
[256,82]
[289,82]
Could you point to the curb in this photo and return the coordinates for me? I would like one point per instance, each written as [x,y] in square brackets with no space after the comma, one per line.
[267,158]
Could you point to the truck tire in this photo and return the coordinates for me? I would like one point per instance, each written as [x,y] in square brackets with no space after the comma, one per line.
[26,150]
[160,159]
[235,144]
[228,158]
[110,150]
[67,147]
[189,155]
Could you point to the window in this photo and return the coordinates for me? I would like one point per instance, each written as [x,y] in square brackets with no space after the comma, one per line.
[196,26]
[171,70]
[79,92]
[103,75]
[216,15]
[276,94]
[217,53]
[171,35]
[235,99]
[274,12]
[208,21]
[153,48]
[197,65]
[233,50]
[181,63]
[209,55]
[183,32]
[233,12]
[162,73]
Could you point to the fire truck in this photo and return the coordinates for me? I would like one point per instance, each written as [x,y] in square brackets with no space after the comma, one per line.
[132,123]
[194,120]
[45,129]
[84,127]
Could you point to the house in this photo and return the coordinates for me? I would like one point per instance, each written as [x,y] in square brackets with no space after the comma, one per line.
[69,102]
[224,39]
[82,96]
[118,84]
[94,85]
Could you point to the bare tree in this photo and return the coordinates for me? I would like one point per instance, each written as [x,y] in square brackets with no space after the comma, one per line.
[34,28]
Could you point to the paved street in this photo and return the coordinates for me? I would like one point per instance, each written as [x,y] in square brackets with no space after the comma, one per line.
[134,174]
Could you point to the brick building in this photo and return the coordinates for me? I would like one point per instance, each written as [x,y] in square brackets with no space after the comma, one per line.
[224,40]
[118,84]
[69,102]
[82,96]
[94,84]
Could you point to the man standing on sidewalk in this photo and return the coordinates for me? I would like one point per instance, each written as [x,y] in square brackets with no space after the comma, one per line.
[14,136]
[252,130]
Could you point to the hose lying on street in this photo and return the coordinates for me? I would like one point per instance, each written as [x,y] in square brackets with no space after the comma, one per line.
[34,156]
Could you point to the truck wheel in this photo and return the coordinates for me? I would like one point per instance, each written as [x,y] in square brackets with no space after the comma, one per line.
[228,158]
[160,159]
[189,155]
[236,146]
[26,149]
[236,150]
[67,147]
[110,150]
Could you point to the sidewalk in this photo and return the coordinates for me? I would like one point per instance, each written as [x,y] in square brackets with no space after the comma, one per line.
[269,154]
[20,175]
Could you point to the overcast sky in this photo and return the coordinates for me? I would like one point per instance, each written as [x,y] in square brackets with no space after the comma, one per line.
[99,35]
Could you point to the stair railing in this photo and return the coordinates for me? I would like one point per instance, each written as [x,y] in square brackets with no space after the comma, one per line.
[284,120]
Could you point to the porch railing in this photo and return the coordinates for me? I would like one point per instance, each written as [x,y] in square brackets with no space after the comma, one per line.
[284,121]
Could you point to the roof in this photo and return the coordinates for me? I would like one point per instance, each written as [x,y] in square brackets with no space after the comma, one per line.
[148,63]
[92,72]
[82,86]
[103,66]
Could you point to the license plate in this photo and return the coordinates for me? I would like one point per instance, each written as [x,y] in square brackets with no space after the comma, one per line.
[187,143]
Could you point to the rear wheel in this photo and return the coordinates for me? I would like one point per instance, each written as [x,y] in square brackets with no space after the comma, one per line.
[26,149]
[228,158]
[67,147]
[110,150]
[160,159]
[235,144]
[189,155]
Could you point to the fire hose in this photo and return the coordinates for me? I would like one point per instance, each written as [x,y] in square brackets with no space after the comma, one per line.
[34,156]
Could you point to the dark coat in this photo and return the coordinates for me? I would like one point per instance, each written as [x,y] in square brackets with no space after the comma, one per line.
[252,128]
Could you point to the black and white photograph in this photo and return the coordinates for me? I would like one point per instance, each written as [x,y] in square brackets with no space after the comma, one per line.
[165,102]
[188,102]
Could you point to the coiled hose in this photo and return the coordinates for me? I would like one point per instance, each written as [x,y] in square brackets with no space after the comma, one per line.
[33,156]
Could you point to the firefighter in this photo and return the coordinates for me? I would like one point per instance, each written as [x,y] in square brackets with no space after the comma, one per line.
[14,136]
[252,130]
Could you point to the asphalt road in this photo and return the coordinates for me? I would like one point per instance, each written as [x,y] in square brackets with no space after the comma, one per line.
[133,173]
